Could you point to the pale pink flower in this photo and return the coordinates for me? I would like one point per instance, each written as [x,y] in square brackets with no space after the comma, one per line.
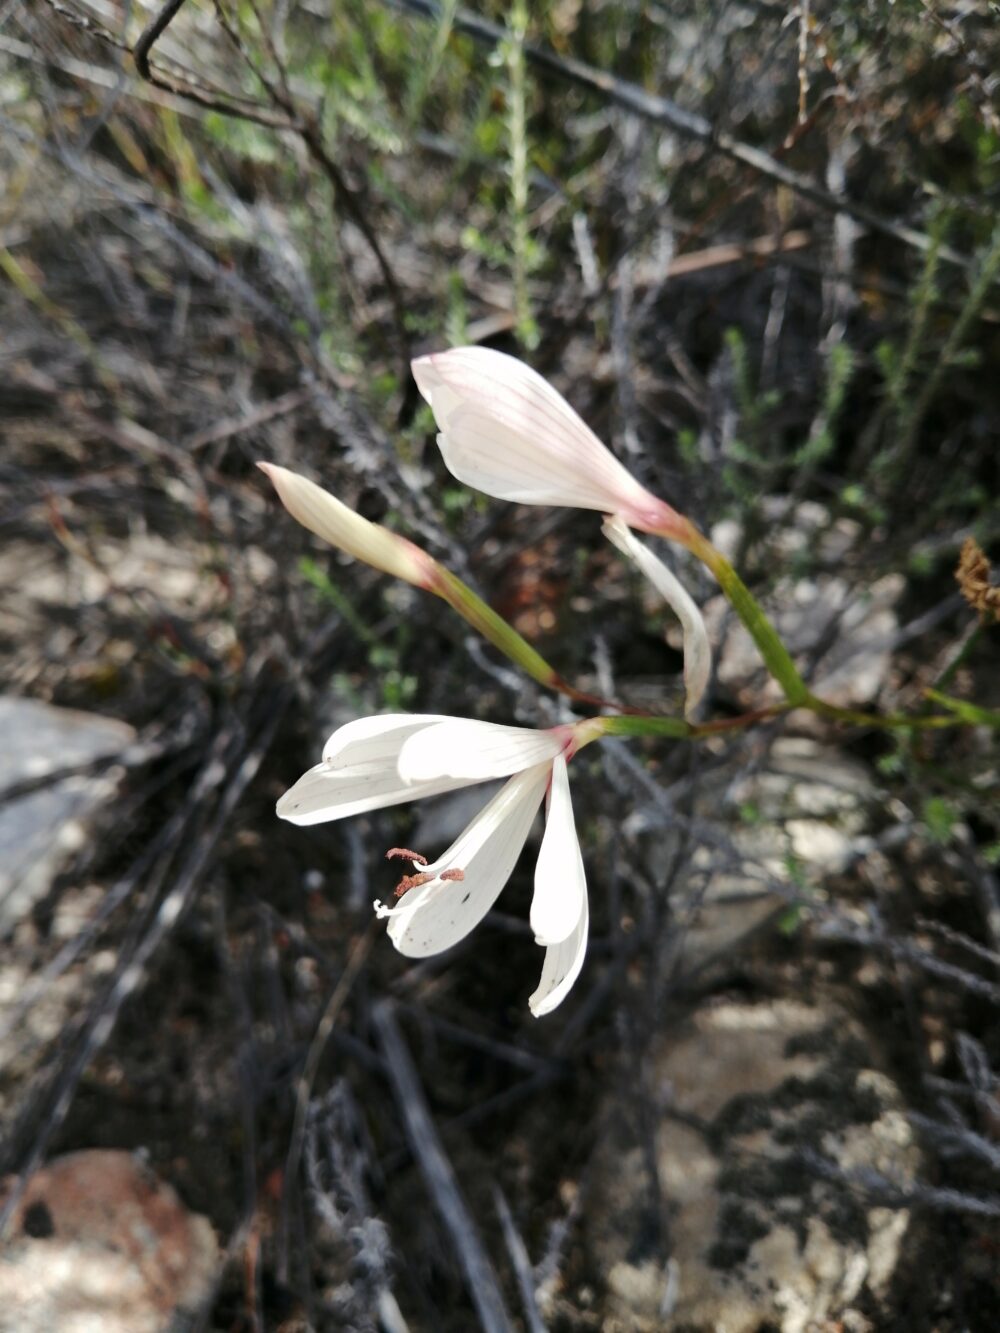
[505,431]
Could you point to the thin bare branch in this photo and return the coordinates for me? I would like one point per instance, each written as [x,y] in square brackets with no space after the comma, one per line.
[480,1276]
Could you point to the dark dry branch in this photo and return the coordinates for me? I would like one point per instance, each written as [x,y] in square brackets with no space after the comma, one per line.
[337,1168]
[880,1189]
[304,1087]
[224,103]
[231,765]
[439,1176]
[517,1252]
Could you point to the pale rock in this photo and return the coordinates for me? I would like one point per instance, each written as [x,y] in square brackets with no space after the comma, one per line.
[809,804]
[841,636]
[754,1239]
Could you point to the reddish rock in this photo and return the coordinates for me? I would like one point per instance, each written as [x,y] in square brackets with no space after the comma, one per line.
[99,1244]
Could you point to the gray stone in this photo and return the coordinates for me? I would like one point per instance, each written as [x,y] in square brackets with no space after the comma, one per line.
[41,827]
[800,816]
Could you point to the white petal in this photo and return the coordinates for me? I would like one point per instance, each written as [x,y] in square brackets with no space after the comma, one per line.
[437,915]
[560,882]
[360,771]
[697,651]
[324,793]
[506,431]
[561,968]
[370,737]
[474,751]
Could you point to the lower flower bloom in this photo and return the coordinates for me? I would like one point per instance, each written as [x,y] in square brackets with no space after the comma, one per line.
[383,761]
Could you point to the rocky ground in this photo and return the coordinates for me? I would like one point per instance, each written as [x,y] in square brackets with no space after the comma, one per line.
[771,1101]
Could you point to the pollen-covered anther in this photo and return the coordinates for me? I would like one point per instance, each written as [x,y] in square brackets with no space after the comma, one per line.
[409,882]
[404,854]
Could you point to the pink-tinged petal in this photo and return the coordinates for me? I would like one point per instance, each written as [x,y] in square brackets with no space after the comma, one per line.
[560,881]
[326,516]
[360,771]
[474,751]
[506,431]
[434,916]
[697,650]
[561,967]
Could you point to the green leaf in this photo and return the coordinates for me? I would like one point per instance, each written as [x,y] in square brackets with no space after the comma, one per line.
[940,817]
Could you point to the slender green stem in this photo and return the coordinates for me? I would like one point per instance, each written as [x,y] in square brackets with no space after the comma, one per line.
[634,725]
[776,656]
[964,712]
[673,727]
[460,597]
[677,729]
[492,626]
[886,721]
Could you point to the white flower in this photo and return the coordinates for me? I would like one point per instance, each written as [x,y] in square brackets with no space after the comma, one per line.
[382,761]
[506,431]
[697,651]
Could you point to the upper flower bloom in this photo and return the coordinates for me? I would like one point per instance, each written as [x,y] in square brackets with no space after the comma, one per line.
[506,431]
[382,761]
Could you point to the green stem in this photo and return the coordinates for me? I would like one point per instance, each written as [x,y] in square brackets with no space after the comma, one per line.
[779,663]
[776,656]
[960,714]
[963,711]
[677,729]
[646,726]
[460,597]
[887,721]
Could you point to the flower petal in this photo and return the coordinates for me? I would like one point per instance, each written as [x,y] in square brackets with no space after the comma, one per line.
[506,431]
[561,968]
[325,515]
[437,915]
[323,794]
[560,882]
[474,751]
[360,771]
[697,650]
[380,736]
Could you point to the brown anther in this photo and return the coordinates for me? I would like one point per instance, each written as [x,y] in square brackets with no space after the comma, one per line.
[404,854]
[409,882]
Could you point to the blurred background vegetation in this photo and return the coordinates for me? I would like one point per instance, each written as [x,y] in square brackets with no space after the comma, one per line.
[757,248]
